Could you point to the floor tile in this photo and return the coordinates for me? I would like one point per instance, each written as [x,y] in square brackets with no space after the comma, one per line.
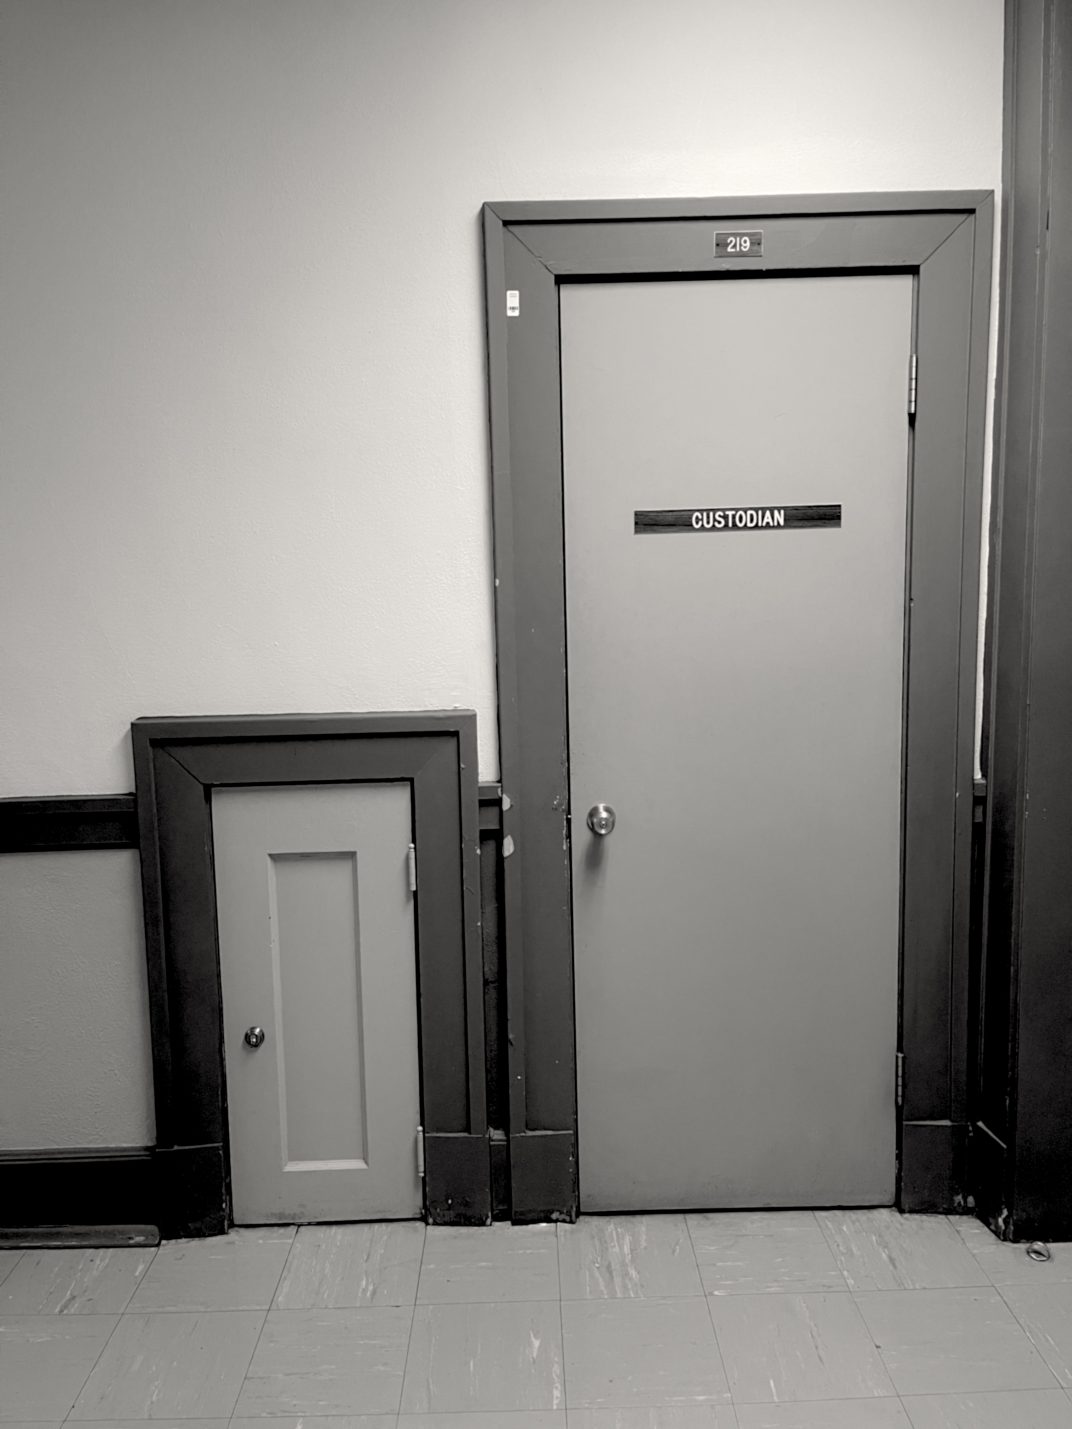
[327,1362]
[951,1341]
[490,1358]
[1045,1311]
[73,1282]
[343,1267]
[8,1260]
[308,1421]
[471,1264]
[239,1271]
[171,1366]
[522,1419]
[45,1361]
[787,1347]
[1007,1264]
[826,1414]
[783,1260]
[640,1352]
[883,1250]
[627,1258]
[703,1223]
[1004,1409]
[166,1424]
[696,1416]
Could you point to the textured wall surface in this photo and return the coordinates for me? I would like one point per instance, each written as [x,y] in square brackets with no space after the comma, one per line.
[243,439]
[74,1018]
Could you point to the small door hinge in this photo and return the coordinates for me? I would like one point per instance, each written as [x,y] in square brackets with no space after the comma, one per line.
[900,1079]
[412,861]
[513,303]
[912,365]
[420,1152]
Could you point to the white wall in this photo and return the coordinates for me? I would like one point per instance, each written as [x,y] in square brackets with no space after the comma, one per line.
[243,453]
[75,1066]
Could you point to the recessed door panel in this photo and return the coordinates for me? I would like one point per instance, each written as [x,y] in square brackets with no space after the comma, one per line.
[735,694]
[319,999]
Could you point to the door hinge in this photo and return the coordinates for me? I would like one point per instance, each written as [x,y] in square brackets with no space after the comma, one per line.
[912,366]
[420,1152]
[412,862]
[899,1078]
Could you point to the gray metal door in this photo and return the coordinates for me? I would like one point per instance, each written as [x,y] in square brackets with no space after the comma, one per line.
[735,693]
[319,989]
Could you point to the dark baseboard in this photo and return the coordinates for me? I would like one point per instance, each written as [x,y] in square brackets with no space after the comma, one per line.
[456,1179]
[499,1151]
[933,1166]
[105,1186]
[987,1161]
[62,824]
[78,1237]
[190,1196]
[543,1176]
[99,1187]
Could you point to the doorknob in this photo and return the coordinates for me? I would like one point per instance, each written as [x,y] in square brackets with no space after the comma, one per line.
[601,819]
[254,1036]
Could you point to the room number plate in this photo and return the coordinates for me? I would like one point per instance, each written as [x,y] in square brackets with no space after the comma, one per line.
[745,243]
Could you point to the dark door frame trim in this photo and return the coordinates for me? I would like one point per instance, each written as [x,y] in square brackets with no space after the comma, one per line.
[944,241]
[177,763]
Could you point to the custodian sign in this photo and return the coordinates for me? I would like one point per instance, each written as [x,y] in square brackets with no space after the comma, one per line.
[705,519]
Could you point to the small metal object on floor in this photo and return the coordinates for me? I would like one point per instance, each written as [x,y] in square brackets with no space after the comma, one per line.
[77,1237]
[1039,1250]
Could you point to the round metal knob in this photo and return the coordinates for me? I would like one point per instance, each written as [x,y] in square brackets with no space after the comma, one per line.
[601,819]
[254,1036]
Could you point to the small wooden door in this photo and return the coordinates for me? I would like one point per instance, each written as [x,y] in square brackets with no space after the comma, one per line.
[317,954]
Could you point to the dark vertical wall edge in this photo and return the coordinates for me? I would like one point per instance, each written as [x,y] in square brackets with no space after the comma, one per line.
[1025,1083]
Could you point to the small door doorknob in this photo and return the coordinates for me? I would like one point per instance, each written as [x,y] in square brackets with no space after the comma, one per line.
[601,819]
[254,1036]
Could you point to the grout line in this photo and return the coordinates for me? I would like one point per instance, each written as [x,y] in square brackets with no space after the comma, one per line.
[260,1332]
[412,1322]
[107,1341]
[283,1272]
[561,1322]
[1030,1337]
[19,1253]
[245,1372]
[710,1316]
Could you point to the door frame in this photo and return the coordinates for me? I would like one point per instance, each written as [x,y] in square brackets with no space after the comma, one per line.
[944,241]
[177,764]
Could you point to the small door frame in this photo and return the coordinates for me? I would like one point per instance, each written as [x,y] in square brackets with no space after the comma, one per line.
[944,241]
[177,763]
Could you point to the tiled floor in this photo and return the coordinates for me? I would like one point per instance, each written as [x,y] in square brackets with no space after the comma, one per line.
[766,1320]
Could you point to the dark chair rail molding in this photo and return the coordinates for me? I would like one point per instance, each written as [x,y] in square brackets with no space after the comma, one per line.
[54,823]
[58,824]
